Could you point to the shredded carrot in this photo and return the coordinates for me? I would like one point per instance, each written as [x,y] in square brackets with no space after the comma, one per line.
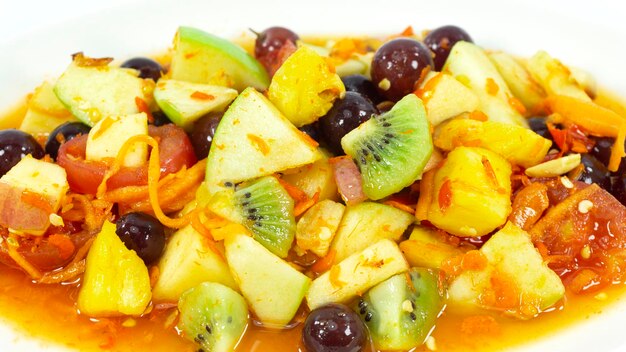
[478,116]
[323,264]
[302,207]
[199,226]
[154,273]
[142,106]
[301,199]
[201,96]
[405,207]
[474,260]
[428,90]
[335,272]
[490,172]
[19,259]
[426,195]
[36,200]
[259,143]
[445,195]
[69,273]
[517,105]
[491,86]
[64,244]
[104,126]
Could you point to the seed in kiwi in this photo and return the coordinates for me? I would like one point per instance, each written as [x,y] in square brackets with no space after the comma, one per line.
[401,311]
[213,316]
[266,210]
[391,149]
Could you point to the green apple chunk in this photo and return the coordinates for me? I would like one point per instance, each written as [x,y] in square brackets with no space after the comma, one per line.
[185,102]
[93,90]
[189,260]
[272,287]
[45,111]
[201,57]
[251,141]
[108,136]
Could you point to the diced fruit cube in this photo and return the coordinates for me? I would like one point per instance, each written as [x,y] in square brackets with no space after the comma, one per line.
[471,192]
[516,144]
[515,278]
[92,90]
[316,178]
[425,248]
[555,77]
[106,138]
[305,87]
[272,287]
[444,97]
[317,227]
[185,102]
[201,57]
[356,274]
[116,280]
[187,261]
[251,141]
[470,65]
[366,223]
[523,86]
[30,192]
[45,111]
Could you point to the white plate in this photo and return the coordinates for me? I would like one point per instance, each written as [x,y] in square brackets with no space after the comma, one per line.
[588,35]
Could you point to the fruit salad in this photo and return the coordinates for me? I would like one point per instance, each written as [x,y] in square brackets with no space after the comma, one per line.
[356,191]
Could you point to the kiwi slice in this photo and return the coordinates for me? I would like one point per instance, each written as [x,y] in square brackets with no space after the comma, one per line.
[264,207]
[400,313]
[391,149]
[213,315]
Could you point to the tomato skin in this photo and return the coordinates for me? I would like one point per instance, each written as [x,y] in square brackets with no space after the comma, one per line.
[85,176]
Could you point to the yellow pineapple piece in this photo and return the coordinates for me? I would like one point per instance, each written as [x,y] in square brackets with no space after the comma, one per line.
[316,178]
[305,87]
[471,192]
[116,280]
[424,248]
[517,144]
[317,227]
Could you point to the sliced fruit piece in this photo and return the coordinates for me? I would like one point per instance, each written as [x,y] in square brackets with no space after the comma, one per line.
[317,227]
[251,141]
[106,138]
[116,280]
[516,144]
[469,64]
[45,111]
[305,87]
[400,313]
[444,97]
[213,315]
[397,140]
[92,90]
[471,192]
[425,248]
[264,208]
[356,274]
[519,80]
[316,178]
[185,102]
[272,287]
[30,192]
[366,223]
[514,277]
[555,77]
[187,261]
[201,57]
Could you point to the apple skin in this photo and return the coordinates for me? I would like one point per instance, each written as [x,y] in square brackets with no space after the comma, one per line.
[201,57]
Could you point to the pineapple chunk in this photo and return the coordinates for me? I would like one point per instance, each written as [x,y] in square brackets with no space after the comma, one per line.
[316,178]
[272,287]
[30,192]
[251,141]
[471,193]
[469,64]
[523,86]
[366,223]
[444,97]
[317,227]
[356,274]
[188,261]
[515,278]
[45,111]
[116,280]
[108,136]
[305,87]
[555,77]
[424,248]
[516,144]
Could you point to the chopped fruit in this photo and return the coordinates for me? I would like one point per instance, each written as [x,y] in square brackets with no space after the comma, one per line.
[554,77]
[30,192]
[518,79]
[108,136]
[116,280]
[316,179]
[444,97]
[45,111]
[305,87]
[317,227]
[348,179]
[425,248]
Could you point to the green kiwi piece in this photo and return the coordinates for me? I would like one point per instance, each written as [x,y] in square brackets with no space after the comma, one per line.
[213,315]
[264,207]
[400,314]
[391,149]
